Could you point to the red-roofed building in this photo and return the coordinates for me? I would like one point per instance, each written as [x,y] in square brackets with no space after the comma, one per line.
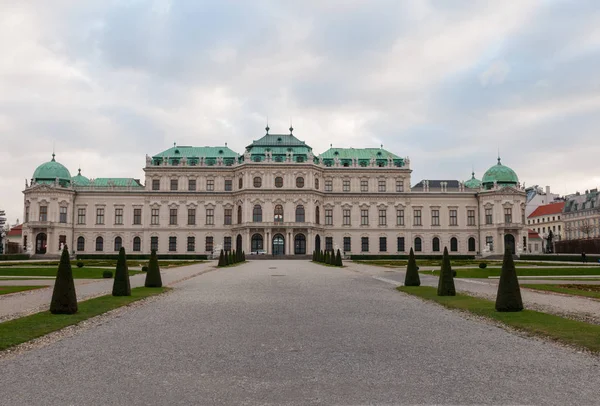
[546,218]
[534,242]
[14,239]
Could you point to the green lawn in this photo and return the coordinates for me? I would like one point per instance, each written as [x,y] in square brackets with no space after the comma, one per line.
[78,273]
[569,289]
[393,263]
[17,331]
[558,328]
[5,290]
[103,262]
[486,273]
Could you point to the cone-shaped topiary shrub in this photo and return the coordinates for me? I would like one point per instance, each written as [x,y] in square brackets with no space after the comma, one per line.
[331,258]
[313,256]
[121,285]
[64,298]
[338,258]
[153,278]
[446,282]
[321,256]
[243,256]
[221,259]
[412,271]
[509,292]
[225,259]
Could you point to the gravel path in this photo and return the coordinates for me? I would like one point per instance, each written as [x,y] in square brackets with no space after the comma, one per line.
[296,333]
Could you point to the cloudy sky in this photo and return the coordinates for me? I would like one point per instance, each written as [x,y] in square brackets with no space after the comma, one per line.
[447,83]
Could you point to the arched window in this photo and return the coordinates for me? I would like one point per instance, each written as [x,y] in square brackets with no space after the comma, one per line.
[257,214]
[317,215]
[80,244]
[418,246]
[278,215]
[256,242]
[471,244]
[137,244]
[317,183]
[279,181]
[299,214]
[257,181]
[99,244]
[118,243]
[435,244]
[239,215]
[453,244]
[300,182]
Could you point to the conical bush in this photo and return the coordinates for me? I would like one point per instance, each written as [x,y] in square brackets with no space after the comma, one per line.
[153,278]
[508,298]
[412,272]
[64,297]
[121,285]
[446,281]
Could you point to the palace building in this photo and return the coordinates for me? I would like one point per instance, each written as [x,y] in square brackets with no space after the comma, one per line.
[278,196]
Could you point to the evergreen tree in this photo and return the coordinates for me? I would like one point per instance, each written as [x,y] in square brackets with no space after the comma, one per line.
[412,272]
[121,285]
[243,256]
[331,259]
[338,258]
[64,297]
[326,257]
[508,298]
[221,259]
[322,256]
[314,255]
[446,282]
[226,259]
[234,256]
[153,278]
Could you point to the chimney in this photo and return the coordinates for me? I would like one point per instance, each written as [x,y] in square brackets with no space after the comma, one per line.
[548,191]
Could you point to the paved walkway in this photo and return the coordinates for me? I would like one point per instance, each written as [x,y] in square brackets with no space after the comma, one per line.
[296,333]
[580,307]
[17,304]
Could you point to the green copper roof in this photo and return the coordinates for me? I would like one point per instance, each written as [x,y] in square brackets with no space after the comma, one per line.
[193,155]
[80,180]
[48,172]
[279,145]
[473,183]
[117,182]
[500,174]
[363,155]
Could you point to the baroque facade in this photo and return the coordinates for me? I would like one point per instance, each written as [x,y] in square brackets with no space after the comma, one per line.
[278,196]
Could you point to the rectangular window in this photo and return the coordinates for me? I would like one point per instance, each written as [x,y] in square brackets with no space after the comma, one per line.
[137,216]
[191,217]
[400,244]
[346,216]
[382,217]
[228,214]
[154,217]
[453,217]
[228,185]
[488,216]
[172,244]
[364,217]
[399,185]
[154,243]
[346,185]
[226,244]
[471,217]
[435,217]
[508,215]
[99,216]
[80,216]
[381,185]
[191,244]
[328,243]
[119,216]
[399,217]
[173,217]
[208,246]
[210,185]
[364,244]
[192,185]
[174,184]
[364,185]
[329,217]
[26,217]
[210,216]
[43,213]
[382,244]
[347,244]
[489,241]
[417,214]
[63,215]
[155,184]
[328,185]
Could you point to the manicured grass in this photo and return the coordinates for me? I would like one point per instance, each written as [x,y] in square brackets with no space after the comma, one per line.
[393,263]
[78,273]
[103,262]
[557,328]
[232,265]
[486,273]
[329,265]
[17,331]
[569,289]
[5,290]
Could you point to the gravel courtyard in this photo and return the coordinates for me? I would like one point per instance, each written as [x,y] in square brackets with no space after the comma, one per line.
[293,332]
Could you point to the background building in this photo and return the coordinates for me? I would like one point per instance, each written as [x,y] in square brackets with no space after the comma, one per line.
[582,215]
[545,219]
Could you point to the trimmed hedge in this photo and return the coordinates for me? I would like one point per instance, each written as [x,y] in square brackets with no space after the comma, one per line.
[555,257]
[13,257]
[141,256]
[404,256]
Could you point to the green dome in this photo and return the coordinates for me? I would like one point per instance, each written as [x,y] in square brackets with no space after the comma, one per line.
[500,174]
[80,180]
[48,172]
[473,183]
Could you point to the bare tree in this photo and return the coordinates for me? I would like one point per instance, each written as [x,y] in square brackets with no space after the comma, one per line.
[587,228]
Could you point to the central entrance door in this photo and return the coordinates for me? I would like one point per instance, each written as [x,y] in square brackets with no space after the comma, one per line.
[300,244]
[278,244]
[40,243]
[509,243]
